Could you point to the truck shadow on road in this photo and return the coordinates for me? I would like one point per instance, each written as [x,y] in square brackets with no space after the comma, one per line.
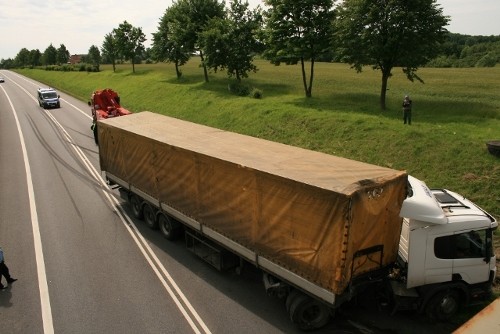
[367,314]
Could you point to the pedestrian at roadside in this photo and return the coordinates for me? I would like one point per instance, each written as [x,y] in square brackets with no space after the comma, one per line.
[407,104]
[4,271]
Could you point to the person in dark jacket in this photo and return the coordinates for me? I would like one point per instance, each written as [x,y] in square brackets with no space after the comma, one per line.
[407,104]
[4,271]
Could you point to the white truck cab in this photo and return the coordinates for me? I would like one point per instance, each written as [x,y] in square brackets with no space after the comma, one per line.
[445,249]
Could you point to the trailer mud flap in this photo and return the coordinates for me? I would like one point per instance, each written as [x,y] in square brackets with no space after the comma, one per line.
[367,259]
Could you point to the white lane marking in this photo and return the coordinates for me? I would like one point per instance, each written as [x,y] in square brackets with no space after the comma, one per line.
[183,304]
[48,326]
[139,239]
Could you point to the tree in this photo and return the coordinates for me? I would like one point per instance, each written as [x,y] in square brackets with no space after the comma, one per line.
[169,42]
[129,41]
[389,33]
[7,63]
[35,57]
[23,57]
[110,49]
[230,43]
[62,55]
[94,57]
[296,31]
[193,16]
[49,55]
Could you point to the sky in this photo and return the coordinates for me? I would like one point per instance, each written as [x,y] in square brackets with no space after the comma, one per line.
[79,24]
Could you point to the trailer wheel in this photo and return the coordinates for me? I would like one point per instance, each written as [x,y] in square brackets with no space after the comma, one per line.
[169,227]
[150,217]
[443,305]
[306,312]
[290,298]
[135,202]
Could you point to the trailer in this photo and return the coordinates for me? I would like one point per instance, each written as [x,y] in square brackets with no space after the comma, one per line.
[321,228]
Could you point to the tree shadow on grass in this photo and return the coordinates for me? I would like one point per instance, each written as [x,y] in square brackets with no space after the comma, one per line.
[424,110]
[428,111]
[138,71]
[220,87]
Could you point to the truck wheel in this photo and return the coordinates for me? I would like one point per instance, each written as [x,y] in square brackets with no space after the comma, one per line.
[136,204]
[306,312]
[443,305]
[169,228]
[150,217]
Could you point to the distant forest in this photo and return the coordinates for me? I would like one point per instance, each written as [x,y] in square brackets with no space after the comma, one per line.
[457,51]
[468,51]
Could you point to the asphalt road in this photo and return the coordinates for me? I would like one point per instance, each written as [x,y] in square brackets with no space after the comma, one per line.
[85,266]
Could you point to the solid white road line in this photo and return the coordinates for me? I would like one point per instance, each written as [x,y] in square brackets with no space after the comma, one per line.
[48,327]
[183,304]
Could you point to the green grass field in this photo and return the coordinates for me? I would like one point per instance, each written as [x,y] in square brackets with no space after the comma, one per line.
[455,113]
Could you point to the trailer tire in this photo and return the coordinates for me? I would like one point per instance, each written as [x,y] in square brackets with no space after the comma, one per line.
[135,203]
[306,312]
[290,298]
[443,305]
[169,228]
[150,217]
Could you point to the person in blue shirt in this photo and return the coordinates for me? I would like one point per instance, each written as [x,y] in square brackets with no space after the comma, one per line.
[4,271]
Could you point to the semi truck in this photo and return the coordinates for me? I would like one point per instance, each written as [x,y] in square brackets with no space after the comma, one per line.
[322,229]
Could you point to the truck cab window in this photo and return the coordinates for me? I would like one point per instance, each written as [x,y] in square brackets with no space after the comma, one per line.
[465,245]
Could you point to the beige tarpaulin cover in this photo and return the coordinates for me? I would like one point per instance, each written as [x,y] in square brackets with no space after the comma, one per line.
[306,211]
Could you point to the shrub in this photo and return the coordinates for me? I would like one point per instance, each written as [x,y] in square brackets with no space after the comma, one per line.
[488,60]
[256,93]
[238,89]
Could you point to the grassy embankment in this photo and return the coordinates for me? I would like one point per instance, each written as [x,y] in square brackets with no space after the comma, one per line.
[455,112]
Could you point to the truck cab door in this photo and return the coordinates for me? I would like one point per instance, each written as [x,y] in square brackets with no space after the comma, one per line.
[472,256]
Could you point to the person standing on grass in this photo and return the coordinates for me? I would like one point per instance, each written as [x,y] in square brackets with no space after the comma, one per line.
[4,271]
[407,104]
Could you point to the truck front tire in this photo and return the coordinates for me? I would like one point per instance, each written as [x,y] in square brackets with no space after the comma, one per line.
[306,312]
[443,305]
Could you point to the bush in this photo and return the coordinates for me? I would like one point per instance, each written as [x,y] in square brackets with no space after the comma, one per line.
[66,68]
[238,89]
[488,60]
[256,93]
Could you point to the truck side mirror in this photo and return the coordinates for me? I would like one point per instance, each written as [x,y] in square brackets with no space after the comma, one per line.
[489,252]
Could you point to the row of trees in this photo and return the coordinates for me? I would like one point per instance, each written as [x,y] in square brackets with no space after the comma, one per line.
[468,51]
[50,56]
[123,43]
[382,34]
